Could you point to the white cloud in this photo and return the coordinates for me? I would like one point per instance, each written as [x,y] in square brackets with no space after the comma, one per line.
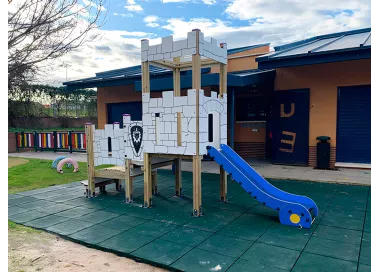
[173,1]
[209,2]
[92,4]
[123,14]
[152,25]
[278,23]
[151,21]
[132,6]
[116,49]
[273,26]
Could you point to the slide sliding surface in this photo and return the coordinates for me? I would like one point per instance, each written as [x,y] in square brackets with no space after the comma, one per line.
[293,209]
[264,185]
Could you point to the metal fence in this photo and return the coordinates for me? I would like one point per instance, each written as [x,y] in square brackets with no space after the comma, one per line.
[70,141]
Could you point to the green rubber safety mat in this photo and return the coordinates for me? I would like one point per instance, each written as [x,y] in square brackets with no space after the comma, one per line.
[94,234]
[46,221]
[126,242]
[229,246]
[316,263]
[251,266]
[187,236]
[273,256]
[202,260]
[162,251]
[240,235]
[286,236]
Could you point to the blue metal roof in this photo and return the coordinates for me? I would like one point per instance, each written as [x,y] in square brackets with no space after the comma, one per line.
[123,73]
[245,48]
[234,79]
[341,46]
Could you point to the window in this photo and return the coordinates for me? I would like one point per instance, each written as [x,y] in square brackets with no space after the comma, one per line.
[252,108]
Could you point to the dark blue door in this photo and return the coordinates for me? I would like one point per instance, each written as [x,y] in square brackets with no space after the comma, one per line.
[354,124]
[290,116]
[115,112]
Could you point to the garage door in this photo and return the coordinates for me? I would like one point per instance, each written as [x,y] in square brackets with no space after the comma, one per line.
[354,124]
[115,112]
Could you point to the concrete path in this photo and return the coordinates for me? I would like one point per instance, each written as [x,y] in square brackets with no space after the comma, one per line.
[266,169]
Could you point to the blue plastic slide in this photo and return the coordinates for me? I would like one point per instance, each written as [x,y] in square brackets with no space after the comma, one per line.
[294,210]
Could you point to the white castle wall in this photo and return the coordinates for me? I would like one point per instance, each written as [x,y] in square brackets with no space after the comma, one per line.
[160,128]
[166,109]
[169,49]
[101,155]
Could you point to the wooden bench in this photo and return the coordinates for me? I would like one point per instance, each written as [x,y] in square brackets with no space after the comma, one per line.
[101,183]
[116,174]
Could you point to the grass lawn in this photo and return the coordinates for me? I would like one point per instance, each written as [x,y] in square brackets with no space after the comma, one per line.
[31,174]
[38,173]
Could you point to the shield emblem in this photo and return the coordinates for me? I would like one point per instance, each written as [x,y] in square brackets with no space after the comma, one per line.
[136,133]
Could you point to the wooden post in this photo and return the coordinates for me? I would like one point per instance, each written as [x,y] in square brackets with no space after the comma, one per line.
[196,84]
[145,81]
[154,183]
[178,177]
[222,76]
[177,93]
[89,129]
[147,181]
[222,93]
[223,185]
[177,77]
[128,182]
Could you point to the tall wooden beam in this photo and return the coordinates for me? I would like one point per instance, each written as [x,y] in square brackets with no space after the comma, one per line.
[223,185]
[145,79]
[154,183]
[222,76]
[178,177]
[177,93]
[147,181]
[222,93]
[128,182]
[196,84]
[89,130]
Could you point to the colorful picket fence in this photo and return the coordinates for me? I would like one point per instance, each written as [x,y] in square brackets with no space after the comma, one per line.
[71,141]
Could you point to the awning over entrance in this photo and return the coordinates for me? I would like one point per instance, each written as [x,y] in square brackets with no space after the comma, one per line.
[162,79]
[234,79]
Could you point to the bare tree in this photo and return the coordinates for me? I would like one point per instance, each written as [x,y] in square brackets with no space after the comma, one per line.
[43,30]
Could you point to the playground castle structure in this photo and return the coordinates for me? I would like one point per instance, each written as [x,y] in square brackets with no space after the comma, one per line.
[176,127]
[173,127]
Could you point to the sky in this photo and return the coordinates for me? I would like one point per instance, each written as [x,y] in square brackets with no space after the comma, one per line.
[236,22]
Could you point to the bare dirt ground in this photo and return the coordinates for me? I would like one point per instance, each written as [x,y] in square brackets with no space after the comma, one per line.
[32,250]
[16,161]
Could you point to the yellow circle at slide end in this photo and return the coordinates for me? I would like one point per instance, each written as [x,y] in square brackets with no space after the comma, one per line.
[295,219]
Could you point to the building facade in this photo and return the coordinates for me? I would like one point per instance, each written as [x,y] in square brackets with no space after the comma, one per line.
[278,102]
